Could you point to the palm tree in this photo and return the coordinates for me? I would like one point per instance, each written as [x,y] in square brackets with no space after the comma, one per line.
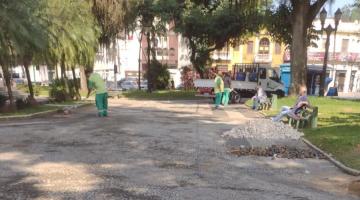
[17,28]
[73,35]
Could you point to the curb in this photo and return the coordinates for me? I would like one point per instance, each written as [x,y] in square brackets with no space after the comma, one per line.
[337,163]
[44,113]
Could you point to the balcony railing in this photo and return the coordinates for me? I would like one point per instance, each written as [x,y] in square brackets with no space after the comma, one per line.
[263,58]
[221,56]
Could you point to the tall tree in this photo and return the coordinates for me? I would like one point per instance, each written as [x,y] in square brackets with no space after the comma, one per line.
[211,25]
[73,35]
[18,30]
[294,24]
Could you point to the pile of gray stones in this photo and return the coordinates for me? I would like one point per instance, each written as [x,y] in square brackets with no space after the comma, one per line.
[264,129]
[263,137]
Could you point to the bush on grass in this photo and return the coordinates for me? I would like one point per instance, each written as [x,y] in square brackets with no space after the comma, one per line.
[159,74]
[3,100]
[60,93]
[22,103]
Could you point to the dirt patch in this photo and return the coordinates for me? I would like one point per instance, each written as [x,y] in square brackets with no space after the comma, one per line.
[278,151]
[354,187]
[175,165]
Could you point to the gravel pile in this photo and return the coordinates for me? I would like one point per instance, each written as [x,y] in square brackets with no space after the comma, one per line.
[264,129]
[277,151]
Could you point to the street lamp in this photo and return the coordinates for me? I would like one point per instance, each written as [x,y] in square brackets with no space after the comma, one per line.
[328,30]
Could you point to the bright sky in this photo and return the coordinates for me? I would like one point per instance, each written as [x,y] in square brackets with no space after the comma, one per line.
[338,4]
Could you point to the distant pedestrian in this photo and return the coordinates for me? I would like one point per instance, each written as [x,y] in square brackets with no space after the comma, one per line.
[227,89]
[218,88]
[259,97]
[95,82]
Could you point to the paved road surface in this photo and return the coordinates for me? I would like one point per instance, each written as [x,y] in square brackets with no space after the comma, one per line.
[148,150]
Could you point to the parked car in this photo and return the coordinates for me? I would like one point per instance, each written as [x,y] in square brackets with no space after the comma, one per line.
[129,85]
[144,85]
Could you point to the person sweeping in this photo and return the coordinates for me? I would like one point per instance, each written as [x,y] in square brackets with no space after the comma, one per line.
[218,89]
[95,82]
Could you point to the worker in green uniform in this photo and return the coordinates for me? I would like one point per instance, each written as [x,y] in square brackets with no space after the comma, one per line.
[95,82]
[218,88]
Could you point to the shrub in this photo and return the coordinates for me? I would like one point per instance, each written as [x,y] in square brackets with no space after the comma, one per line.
[22,103]
[72,88]
[187,78]
[159,74]
[58,91]
[3,100]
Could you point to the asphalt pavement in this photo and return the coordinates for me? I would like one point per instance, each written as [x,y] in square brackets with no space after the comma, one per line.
[152,150]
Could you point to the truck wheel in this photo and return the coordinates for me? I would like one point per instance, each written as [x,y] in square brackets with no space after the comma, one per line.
[235,98]
[280,93]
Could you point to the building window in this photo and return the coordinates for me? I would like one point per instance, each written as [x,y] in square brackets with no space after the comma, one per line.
[159,52]
[172,52]
[262,73]
[277,48]
[250,47]
[344,45]
[264,46]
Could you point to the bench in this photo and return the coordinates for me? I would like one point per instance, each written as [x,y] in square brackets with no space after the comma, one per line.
[268,103]
[306,118]
[265,104]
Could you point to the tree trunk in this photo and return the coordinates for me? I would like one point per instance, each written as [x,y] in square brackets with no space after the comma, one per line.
[7,78]
[64,78]
[56,72]
[77,93]
[139,61]
[83,81]
[149,78]
[29,82]
[298,49]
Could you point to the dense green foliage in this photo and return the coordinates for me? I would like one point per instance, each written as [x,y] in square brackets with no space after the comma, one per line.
[3,100]
[212,26]
[351,12]
[48,32]
[159,74]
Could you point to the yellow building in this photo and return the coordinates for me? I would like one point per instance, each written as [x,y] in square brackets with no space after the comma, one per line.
[259,48]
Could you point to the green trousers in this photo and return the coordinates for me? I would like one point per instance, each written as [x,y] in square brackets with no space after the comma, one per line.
[226,96]
[101,101]
[218,97]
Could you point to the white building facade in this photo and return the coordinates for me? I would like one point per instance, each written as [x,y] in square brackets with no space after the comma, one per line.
[344,55]
[130,57]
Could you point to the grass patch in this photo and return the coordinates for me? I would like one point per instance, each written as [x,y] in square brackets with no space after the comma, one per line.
[42,108]
[30,110]
[160,95]
[38,89]
[338,131]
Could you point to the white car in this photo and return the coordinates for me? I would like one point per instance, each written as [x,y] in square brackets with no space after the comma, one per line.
[144,85]
[129,85]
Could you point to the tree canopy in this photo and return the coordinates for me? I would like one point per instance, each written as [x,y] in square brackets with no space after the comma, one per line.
[211,25]
[351,12]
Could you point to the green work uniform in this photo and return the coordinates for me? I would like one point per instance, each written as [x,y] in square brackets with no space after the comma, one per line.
[218,89]
[226,96]
[227,90]
[98,84]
